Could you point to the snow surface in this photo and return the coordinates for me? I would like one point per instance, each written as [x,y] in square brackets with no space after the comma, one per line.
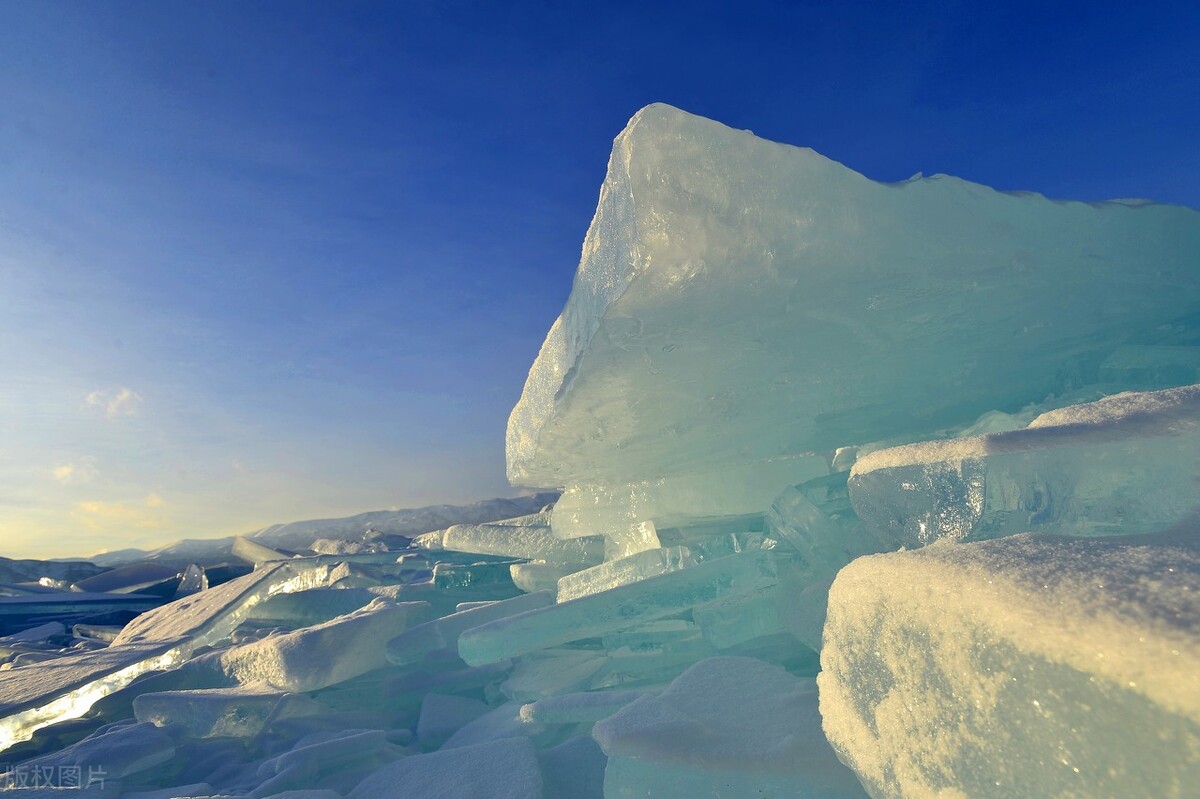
[1025,666]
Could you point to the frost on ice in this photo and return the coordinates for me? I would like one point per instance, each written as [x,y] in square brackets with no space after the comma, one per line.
[866,489]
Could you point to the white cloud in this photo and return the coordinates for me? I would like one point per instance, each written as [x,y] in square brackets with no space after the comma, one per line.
[81,471]
[114,402]
[145,515]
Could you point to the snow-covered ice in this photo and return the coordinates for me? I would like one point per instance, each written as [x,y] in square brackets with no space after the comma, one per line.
[1025,666]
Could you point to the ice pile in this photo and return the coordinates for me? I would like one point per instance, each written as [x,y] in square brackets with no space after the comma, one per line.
[867,489]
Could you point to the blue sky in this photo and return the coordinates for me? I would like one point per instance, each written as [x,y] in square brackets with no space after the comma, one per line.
[269,261]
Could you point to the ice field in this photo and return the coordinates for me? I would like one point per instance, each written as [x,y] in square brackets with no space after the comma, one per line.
[851,489]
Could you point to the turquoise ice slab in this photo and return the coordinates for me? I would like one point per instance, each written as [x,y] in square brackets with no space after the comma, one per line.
[1128,463]
[739,300]
[1032,665]
[619,608]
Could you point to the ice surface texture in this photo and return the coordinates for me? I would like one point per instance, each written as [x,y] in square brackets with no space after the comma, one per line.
[1026,666]
[739,300]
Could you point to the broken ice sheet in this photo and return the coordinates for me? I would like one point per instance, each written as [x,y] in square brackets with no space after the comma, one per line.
[1128,463]
[1031,665]
[34,696]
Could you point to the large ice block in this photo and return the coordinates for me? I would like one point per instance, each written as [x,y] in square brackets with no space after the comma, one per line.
[739,300]
[1128,463]
[324,654]
[622,571]
[1026,666]
[221,712]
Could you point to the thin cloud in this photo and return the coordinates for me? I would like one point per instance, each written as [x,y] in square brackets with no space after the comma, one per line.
[77,472]
[114,402]
[145,515]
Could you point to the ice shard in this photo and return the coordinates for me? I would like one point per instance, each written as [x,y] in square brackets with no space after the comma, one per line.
[740,300]
[1031,665]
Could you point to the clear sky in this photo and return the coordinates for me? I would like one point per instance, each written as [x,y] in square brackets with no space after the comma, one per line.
[271,261]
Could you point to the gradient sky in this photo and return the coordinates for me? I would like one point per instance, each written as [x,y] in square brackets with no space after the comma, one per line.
[270,261]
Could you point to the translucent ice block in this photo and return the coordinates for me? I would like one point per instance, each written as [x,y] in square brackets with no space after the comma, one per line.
[630,569]
[1124,464]
[237,712]
[1025,666]
[619,608]
[538,575]
[673,500]
[532,542]
[739,300]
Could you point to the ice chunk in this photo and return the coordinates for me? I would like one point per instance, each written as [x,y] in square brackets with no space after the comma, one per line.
[1125,464]
[209,616]
[538,576]
[739,300]
[442,715]
[254,553]
[238,712]
[728,726]
[622,571]
[324,654]
[1026,666]
[816,519]
[192,580]
[530,542]
[503,769]
[127,579]
[415,644]
[34,634]
[617,609]
[549,672]
[576,708]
